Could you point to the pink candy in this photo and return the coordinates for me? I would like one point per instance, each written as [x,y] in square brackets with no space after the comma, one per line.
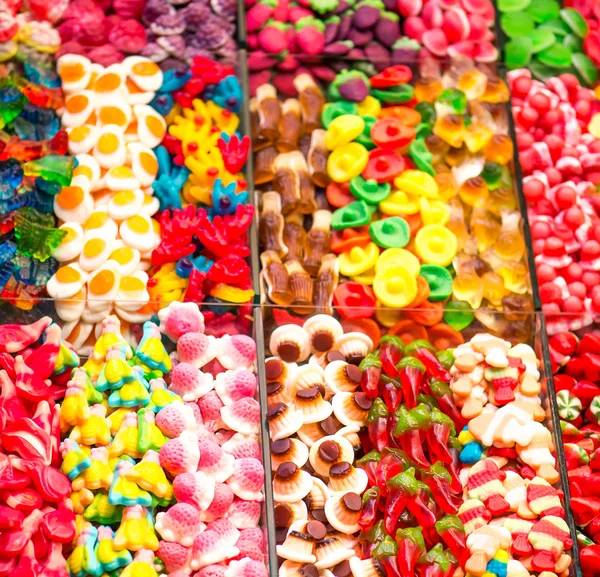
[560,161]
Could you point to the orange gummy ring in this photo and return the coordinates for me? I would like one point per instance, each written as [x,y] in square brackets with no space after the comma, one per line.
[408,331]
[366,326]
[428,314]
[338,194]
[423,291]
[443,336]
[407,116]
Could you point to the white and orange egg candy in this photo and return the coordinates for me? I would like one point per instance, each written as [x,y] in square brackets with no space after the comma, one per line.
[99,224]
[75,71]
[71,244]
[66,282]
[80,109]
[140,315]
[132,291]
[151,126]
[111,81]
[96,251]
[144,73]
[74,203]
[82,139]
[114,110]
[121,178]
[144,164]
[126,257]
[110,149]
[71,309]
[103,285]
[87,166]
[138,232]
[94,315]
[76,333]
[125,204]
[151,204]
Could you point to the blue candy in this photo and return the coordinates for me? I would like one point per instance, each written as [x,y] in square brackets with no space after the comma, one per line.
[167,187]
[471,453]
[228,94]
[173,80]
[224,198]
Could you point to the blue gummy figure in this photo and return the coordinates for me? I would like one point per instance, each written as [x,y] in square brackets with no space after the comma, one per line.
[164,160]
[202,263]
[497,567]
[7,251]
[11,176]
[6,271]
[37,73]
[471,453]
[173,80]
[163,104]
[224,198]
[36,123]
[228,94]
[36,233]
[16,202]
[167,187]
[184,267]
[33,272]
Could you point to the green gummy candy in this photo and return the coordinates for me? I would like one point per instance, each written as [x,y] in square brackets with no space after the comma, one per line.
[542,39]
[517,52]
[557,56]
[573,43]
[458,315]
[439,280]
[541,71]
[513,26]
[513,5]
[575,21]
[392,232]
[586,68]
[543,10]
[556,26]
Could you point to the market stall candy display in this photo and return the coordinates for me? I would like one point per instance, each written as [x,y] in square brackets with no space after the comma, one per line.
[418,179]
[546,38]
[557,136]
[576,381]
[33,168]
[162,451]
[283,39]
[36,521]
[512,516]
[364,461]
[202,190]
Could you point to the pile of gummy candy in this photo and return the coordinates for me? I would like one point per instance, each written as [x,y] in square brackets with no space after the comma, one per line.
[405,191]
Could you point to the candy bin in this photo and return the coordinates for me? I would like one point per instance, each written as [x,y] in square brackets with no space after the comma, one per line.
[163,451]
[549,37]
[323,38]
[38,523]
[158,209]
[419,218]
[406,455]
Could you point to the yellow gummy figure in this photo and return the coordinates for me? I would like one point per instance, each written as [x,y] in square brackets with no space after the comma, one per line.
[106,555]
[160,397]
[142,566]
[126,492]
[74,459]
[115,419]
[150,437]
[134,533]
[125,441]
[149,475]
[74,409]
[116,372]
[95,430]
[99,475]
[80,499]
[224,120]
[111,335]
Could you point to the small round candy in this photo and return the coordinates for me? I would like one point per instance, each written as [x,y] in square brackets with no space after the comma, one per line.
[395,286]
[439,280]
[436,244]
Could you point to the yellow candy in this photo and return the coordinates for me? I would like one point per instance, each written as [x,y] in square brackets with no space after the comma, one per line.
[347,161]
[358,260]
[115,419]
[74,409]
[370,106]
[231,294]
[80,500]
[126,440]
[477,135]
[343,130]
[226,120]
[386,317]
[95,430]
[395,286]
[142,566]
[594,124]
[399,256]
[149,475]
[436,244]
[99,475]
[366,277]
[400,203]
[418,183]
[434,211]
[466,437]
[135,533]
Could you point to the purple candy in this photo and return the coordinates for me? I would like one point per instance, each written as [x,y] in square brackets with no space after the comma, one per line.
[174,45]
[338,48]
[155,9]
[168,25]
[360,37]
[387,31]
[365,17]
[225,8]
[390,5]
[344,27]
[342,6]
[154,52]
[354,90]
[331,30]
[378,55]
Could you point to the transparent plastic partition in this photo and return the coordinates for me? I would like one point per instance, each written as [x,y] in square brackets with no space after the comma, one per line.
[495,322]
